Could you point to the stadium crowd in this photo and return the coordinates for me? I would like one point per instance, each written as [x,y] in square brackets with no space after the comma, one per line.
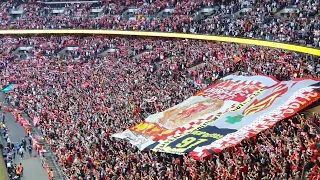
[82,96]
[85,88]
[286,21]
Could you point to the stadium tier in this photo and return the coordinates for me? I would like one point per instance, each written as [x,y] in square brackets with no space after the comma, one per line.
[284,21]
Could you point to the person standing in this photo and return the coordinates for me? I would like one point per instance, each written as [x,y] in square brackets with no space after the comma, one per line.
[6,136]
[18,145]
[20,167]
[51,174]
[28,132]
[18,117]
[30,150]
[9,167]
[18,172]
[3,117]
[1,126]
[14,153]
[8,141]
[21,152]
[30,139]
[4,129]
[24,144]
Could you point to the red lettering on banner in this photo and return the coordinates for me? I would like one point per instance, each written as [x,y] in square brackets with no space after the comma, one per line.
[288,111]
[294,105]
[300,103]
[270,122]
[311,95]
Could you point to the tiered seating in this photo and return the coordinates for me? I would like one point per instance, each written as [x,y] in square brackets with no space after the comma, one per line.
[277,21]
[83,89]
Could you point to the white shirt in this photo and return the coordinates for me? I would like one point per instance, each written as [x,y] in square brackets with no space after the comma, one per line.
[21,150]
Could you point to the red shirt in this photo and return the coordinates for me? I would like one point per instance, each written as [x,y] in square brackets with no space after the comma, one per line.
[244,169]
[315,155]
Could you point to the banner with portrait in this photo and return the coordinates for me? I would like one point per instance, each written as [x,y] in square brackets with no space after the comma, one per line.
[230,94]
[222,115]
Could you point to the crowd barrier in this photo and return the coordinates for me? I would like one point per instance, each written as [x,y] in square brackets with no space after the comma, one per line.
[291,47]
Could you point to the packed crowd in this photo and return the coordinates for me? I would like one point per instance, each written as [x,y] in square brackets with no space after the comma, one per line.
[82,97]
[252,19]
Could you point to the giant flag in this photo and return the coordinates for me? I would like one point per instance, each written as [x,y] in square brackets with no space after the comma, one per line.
[222,115]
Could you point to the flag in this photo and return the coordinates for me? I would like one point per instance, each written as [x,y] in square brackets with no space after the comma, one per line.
[9,88]
[222,115]
[153,99]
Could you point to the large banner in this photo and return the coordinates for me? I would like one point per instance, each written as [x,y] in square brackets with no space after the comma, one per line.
[222,115]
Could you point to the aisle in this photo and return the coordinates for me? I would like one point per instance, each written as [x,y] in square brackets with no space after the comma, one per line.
[33,169]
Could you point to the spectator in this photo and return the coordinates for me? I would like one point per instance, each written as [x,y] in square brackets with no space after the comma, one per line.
[3,117]
[21,152]
[30,150]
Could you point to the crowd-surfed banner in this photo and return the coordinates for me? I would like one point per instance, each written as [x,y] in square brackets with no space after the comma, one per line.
[222,115]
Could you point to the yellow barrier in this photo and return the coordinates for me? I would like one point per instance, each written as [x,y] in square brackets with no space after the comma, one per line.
[3,169]
[290,47]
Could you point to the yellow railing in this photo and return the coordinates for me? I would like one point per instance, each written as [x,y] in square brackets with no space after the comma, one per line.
[302,49]
[3,169]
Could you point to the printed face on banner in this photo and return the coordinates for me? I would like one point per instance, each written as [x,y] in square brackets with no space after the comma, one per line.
[199,109]
[180,116]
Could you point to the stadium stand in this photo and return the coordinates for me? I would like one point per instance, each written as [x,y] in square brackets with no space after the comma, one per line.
[80,89]
[64,79]
[284,21]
